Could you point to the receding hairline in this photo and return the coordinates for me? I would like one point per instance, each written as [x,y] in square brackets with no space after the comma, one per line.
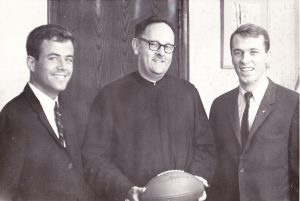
[156,23]
[141,26]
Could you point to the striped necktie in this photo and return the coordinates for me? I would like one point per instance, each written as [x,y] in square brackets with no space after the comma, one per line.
[59,125]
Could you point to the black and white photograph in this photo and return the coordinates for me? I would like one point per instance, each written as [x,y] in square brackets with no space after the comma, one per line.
[149,100]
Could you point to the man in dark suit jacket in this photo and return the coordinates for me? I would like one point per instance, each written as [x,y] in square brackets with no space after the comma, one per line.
[39,159]
[258,150]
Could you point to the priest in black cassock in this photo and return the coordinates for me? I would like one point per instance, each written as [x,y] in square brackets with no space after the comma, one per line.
[146,123]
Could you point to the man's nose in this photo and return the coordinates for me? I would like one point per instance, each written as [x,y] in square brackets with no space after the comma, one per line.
[245,58]
[61,64]
[161,51]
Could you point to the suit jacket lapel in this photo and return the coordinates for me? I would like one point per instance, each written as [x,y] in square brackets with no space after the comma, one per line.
[233,114]
[265,108]
[36,106]
[68,132]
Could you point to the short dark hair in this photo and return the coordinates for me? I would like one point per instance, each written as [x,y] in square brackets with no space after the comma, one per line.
[46,32]
[140,27]
[251,30]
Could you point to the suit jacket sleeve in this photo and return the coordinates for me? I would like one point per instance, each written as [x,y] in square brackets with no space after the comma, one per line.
[294,156]
[101,173]
[204,157]
[12,144]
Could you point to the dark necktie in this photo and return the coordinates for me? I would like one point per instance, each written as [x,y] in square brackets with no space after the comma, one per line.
[59,125]
[245,122]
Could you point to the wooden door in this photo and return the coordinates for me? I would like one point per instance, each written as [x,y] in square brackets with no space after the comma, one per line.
[103,30]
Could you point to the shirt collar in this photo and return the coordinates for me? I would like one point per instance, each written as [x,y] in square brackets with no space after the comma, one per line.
[45,100]
[259,92]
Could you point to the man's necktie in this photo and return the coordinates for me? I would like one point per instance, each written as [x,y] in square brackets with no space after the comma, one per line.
[245,122]
[59,124]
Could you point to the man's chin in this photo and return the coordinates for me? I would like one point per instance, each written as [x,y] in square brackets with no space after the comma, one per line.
[159,74]
[60,88]
[159,71]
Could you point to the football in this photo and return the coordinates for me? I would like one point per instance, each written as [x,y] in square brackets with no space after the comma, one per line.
[173,185]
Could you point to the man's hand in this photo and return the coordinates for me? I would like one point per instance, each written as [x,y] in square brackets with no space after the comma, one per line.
[203,197]
[133,193]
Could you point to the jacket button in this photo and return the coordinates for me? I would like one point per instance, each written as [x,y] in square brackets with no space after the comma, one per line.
[242,170]
[70,166]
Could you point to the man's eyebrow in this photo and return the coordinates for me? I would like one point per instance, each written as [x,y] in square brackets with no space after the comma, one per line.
[52,54]
[237,49]
[55,54]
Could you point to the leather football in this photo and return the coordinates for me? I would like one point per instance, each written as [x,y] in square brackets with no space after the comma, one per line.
[173,185]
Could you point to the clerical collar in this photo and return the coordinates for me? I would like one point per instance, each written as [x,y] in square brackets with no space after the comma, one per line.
[147,79]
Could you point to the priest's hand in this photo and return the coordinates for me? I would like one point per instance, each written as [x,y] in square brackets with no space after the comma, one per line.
[203,197]
[134,192]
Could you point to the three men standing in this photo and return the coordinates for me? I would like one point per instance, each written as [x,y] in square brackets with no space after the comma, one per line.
[149,122]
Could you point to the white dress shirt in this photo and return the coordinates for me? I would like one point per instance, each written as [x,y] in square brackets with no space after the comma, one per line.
[258,94]
[47,104]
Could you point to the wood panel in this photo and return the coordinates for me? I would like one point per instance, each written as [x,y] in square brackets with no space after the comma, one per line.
[103,30]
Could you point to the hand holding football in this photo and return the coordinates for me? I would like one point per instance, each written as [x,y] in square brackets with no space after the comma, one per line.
[174,185]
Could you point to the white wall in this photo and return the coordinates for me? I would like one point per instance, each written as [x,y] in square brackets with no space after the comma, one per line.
[205,69]
[17,19]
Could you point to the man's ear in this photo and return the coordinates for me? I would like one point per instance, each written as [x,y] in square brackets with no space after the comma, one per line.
[268,59]
[135,46]
[31,63]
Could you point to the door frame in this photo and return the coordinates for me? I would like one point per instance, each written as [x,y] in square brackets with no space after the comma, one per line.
[183,33]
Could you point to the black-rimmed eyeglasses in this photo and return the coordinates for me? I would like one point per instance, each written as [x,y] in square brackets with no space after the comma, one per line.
[154,46]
